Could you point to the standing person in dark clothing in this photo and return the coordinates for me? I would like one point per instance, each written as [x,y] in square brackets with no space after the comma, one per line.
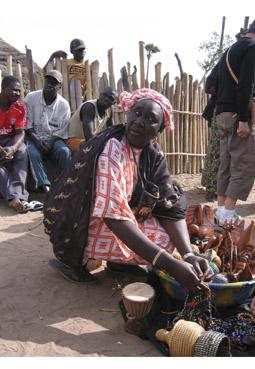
[212,159]
[237,147]
[211,165]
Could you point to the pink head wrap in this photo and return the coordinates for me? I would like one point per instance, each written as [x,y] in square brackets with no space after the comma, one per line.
[127,100]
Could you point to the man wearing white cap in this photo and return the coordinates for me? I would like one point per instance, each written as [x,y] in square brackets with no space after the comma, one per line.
[47,128]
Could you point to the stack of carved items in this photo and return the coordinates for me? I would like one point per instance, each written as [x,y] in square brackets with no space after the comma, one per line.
[230,249]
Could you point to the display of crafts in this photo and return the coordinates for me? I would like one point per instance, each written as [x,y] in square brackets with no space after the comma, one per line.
[230,248]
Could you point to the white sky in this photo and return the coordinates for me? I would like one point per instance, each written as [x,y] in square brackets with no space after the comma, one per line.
[174,26]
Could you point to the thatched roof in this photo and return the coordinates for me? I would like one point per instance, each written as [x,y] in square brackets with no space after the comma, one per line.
[17,56]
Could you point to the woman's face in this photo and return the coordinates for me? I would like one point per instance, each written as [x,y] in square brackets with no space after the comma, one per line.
[143,123]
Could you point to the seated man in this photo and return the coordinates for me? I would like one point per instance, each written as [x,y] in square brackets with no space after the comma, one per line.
[47,128]
[13,154]
[92,117]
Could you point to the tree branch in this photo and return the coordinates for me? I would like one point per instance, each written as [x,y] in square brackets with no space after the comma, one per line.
[179,64]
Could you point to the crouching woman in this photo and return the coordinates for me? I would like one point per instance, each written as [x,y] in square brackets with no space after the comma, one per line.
[117,202]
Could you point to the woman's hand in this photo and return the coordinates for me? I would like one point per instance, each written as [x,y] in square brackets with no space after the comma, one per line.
[186,275]
[201,267]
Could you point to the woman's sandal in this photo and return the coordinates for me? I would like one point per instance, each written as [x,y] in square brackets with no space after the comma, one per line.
[70,274]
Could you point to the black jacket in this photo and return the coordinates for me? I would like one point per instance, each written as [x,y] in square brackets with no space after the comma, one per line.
[230,96]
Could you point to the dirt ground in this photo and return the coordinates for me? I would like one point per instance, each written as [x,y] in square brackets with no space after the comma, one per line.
[42,314]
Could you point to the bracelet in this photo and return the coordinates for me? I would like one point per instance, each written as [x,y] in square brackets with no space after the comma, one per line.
[160,251]
[187,255]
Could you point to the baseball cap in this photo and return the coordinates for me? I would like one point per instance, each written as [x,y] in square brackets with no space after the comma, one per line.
[55,74]
[77,44]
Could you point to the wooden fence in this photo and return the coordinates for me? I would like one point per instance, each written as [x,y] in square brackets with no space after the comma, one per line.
[186,147]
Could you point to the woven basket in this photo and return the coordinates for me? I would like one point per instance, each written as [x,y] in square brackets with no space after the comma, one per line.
[212,343]
[182,337]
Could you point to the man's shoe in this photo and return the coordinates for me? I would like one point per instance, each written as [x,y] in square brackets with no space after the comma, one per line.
[44,188]
[70,274]
[221,217]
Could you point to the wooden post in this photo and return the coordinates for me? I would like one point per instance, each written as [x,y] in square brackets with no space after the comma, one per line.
[30,67]
[158,76]
[124,78]
[166,90]
[141,54]
[172,159]
[129,75]
[195,128]
[186,121]
[222,33]
[111,69]
[9,65]
[190,143]
[95,78]
[65,83]
[38,80]
[201,133]
[119,86]
[103,82]
[246,22]
[177,119]
[19,74]
[88,81]
[153,85]
[59,68]
[134,79]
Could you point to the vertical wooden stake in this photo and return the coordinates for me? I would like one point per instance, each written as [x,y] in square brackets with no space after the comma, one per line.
[19,74]
[141,54]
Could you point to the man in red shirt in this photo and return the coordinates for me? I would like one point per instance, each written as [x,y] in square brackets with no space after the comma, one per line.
[13,154]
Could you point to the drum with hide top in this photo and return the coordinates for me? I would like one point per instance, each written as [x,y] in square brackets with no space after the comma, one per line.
[138,298]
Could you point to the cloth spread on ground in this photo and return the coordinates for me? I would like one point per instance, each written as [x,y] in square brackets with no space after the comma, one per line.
[235,322]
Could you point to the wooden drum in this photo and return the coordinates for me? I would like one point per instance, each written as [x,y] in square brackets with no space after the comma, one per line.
[138,298]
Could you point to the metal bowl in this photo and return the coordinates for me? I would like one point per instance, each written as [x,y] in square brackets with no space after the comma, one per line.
[223,294]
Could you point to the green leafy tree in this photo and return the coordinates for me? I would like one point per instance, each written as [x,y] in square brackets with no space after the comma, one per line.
[151,49]
[213,49]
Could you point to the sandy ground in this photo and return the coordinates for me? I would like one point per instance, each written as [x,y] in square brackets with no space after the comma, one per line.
[42,314]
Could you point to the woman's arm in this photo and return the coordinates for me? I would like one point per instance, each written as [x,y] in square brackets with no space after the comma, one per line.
[178,233]
[131,235]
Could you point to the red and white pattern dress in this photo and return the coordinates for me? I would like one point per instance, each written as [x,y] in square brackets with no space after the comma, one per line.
[116,178]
